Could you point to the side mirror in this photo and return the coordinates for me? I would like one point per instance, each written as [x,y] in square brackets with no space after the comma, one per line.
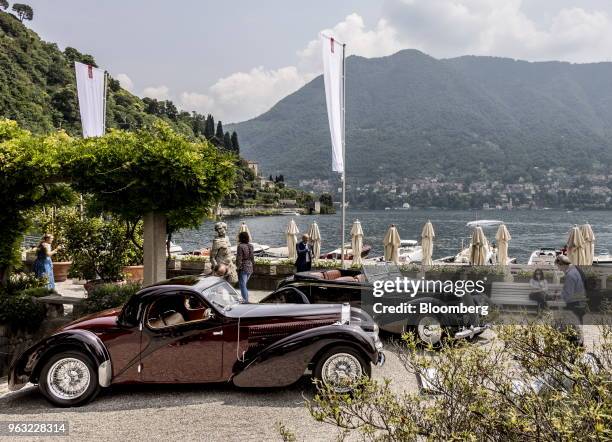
[208,314]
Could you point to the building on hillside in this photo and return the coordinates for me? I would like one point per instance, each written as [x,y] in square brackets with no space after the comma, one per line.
[288,203]
[254,166]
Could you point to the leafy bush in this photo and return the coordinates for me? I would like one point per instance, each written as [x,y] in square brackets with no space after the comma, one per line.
[98,247]
[536,384]
[107,296]
[21,310]
[22,281]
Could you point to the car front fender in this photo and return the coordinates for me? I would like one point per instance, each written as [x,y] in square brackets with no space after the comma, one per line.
[27,367]
[286,361]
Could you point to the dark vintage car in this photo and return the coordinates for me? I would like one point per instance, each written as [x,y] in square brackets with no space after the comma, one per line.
[355,286]
[197,330]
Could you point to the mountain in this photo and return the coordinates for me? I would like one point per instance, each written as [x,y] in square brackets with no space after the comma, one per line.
[411,115]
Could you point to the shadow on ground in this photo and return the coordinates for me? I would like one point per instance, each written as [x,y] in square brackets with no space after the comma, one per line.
[135,397]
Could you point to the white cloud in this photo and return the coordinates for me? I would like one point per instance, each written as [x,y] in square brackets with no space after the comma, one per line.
[158,92]
[447,28]
[244,95]
[126,82]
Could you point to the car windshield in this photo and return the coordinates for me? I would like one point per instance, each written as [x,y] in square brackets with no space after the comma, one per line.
[222,296]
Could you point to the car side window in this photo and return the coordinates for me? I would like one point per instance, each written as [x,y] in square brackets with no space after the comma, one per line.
[288,295]
[176,309]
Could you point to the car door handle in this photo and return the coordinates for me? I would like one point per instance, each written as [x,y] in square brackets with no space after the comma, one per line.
[218,333]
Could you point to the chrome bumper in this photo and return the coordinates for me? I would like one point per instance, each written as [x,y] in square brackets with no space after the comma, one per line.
[381,359]
[470,332]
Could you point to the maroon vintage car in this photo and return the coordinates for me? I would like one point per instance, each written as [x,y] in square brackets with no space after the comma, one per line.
[197,330]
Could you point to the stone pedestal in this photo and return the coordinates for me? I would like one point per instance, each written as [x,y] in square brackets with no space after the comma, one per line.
[154,248]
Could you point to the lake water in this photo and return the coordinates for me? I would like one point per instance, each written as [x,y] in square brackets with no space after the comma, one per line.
[530,229]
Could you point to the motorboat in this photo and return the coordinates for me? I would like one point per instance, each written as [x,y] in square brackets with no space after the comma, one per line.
[289,212]
[484,223]
[603,258]
[410,251]
[258,249]
[348,252]
[543,257]
[277,252]
[174,248]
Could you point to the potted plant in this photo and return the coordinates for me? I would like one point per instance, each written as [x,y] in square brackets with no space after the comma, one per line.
[133,271]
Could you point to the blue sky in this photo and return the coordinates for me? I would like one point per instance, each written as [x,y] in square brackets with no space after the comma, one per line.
[235,59]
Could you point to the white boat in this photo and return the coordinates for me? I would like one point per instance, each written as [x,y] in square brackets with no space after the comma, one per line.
[277,252]
[603,258]
[543,257]
[289,212]
[258,249]
[484,223]
[175,248]
[410,251]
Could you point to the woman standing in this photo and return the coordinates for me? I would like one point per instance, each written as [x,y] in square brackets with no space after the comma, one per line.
[540,286]
[245,260]
[43,266]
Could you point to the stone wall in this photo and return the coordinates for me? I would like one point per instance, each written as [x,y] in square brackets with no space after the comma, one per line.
[14,342]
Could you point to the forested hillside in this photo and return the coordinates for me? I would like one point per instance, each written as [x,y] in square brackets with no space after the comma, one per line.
[38,90]
[410,115]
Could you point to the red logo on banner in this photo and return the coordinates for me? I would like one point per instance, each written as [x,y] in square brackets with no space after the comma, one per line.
[331,39]
[90,71]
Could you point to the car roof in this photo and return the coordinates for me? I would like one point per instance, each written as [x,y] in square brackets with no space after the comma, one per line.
[197,283]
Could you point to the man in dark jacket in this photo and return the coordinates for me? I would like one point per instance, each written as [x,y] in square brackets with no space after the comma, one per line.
[304,255]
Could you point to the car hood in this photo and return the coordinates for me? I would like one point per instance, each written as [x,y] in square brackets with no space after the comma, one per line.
[244,311]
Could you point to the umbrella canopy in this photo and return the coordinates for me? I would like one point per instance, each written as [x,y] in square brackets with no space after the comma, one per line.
[315,238]
[392,242]
[292,233]
[427,237]
[357,242]
[244,228]
[576,247]
[503,237]
[478,248]
[589,239]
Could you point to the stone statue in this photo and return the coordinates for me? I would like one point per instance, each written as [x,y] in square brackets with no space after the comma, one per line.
[221,254]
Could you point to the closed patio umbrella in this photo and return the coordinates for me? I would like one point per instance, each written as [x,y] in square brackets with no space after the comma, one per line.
[427,238]
[315,238]
[392,242]
[503,237]
[292,233]
[244,228]
[589,240]
[478,248]
[575,247]
[357,242]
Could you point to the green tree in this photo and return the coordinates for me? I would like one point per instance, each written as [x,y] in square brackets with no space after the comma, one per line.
[227,141]
[235,144]
[29,171]
[209,128]
[24,12]
[219,134]
[4,4]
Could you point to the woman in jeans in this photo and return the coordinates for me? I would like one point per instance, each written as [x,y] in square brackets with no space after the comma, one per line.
[245,259]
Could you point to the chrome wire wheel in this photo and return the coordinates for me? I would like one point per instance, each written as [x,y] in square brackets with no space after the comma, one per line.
[68,378]
[340,371]
[429,330]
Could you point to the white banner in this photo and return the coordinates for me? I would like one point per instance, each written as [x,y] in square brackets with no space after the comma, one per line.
[91,89]
[333,66]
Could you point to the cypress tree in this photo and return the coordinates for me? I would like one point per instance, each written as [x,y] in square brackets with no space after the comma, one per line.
[209,127]
[227,141]
[235,144]
[219,133]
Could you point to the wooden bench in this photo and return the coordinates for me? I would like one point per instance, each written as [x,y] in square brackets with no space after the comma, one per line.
[55,304]
[514,295]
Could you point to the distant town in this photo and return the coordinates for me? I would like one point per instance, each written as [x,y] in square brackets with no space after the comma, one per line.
[552,188]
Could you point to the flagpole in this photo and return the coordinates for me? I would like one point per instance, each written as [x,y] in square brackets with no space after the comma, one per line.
[343,152]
